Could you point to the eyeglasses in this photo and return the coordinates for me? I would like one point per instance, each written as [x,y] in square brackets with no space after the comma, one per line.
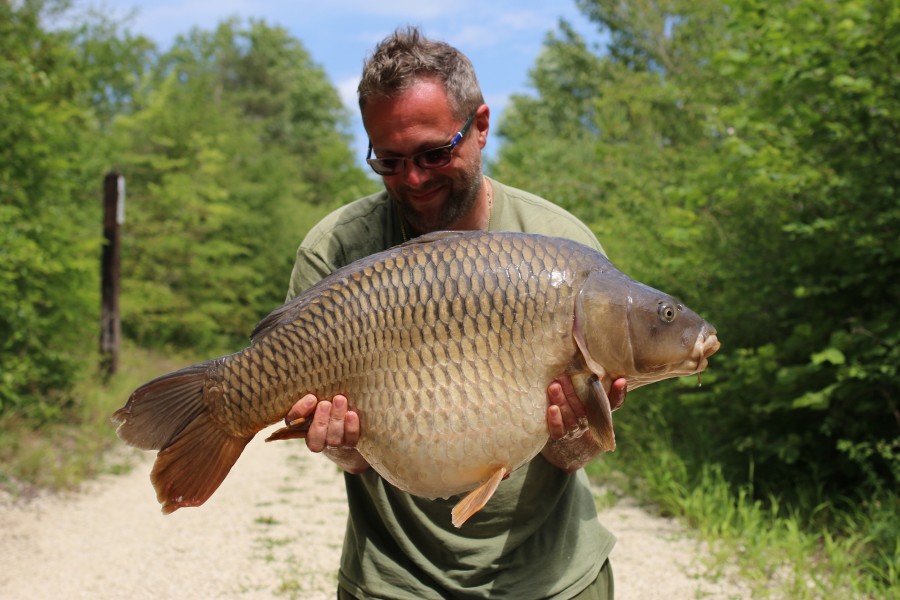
[428,159]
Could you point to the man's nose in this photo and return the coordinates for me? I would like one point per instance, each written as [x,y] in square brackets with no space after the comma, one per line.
[413,175]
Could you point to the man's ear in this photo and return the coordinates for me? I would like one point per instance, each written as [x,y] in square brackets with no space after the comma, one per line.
[482,123]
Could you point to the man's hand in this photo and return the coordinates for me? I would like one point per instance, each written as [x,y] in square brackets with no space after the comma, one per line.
[569,448]
[334,430]
[566,416]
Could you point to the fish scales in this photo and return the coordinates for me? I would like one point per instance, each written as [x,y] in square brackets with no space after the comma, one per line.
[444,348]
[385,381]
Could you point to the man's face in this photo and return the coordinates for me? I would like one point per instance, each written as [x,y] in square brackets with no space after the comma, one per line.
[420,119]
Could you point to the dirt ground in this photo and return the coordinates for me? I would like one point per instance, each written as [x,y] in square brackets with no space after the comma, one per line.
[273,529]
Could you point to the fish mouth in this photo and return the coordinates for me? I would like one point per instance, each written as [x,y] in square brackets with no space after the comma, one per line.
[706,344]
[706,347]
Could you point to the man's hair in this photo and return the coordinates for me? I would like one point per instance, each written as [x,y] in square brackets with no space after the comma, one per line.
[407,57]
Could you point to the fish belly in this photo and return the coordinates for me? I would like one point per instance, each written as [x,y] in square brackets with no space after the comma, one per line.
[441,442]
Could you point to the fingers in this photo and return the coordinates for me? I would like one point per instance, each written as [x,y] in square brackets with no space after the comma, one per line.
[617,393]
[302,408]
[334,425]
[318,430]
[555,422]
[566,417]
[294,419]
[351,428]
[334,431]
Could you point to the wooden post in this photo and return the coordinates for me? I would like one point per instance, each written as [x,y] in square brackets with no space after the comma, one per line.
[110,326]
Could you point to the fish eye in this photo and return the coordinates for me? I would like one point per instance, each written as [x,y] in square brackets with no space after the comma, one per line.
[667,312]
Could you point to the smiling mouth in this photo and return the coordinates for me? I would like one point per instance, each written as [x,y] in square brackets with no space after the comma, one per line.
[424,195]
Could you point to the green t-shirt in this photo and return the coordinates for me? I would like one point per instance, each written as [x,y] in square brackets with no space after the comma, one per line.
[538,536]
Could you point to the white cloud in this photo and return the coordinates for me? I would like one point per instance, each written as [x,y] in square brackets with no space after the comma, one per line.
[347,90]
[497,101]
[409,11]
[528,19]
[472,36]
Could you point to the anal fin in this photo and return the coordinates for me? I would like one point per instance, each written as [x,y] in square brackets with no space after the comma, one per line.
[477,498]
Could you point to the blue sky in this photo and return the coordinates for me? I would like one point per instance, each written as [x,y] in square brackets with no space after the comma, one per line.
[501,37]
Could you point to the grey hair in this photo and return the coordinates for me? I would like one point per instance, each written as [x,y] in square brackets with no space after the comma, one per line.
[406,57]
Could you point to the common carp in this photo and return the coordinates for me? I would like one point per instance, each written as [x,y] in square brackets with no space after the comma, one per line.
[444,346]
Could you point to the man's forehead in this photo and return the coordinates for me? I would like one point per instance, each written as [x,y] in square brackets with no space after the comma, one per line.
[419,101]
[411,140]
[418,119]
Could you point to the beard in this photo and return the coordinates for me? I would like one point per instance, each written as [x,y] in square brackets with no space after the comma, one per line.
[462,195]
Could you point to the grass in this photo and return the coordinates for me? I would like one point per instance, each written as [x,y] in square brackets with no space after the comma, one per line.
[60,454]
[821,551]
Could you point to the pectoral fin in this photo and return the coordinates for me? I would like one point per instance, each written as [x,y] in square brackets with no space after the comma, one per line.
[477,498]
[599,415]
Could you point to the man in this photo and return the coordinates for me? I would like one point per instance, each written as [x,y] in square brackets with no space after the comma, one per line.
[539,536]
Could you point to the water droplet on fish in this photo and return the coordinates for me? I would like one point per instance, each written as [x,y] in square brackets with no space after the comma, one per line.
[699,383]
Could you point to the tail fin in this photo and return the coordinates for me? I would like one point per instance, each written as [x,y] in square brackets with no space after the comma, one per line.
[170,415]
[188,471]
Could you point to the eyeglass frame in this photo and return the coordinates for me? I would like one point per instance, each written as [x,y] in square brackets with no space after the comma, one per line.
[415,157]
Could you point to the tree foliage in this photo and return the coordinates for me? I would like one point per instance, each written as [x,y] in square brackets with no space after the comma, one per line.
[744,155]
[237,138]
[232,142]
[47,283]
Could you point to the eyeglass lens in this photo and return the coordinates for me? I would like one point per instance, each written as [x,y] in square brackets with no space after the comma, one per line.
[429,159]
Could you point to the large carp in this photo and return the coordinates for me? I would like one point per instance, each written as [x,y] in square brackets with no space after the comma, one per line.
[444,346]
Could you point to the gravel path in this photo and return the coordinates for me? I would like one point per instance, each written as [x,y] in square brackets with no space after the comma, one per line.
[273,529]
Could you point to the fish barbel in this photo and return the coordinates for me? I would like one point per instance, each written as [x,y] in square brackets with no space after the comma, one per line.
[444,346]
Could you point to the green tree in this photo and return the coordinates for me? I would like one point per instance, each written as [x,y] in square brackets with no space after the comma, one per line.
[112,63]
[48,199]
[815,136]
[741,156]
[236,146]
[232,142]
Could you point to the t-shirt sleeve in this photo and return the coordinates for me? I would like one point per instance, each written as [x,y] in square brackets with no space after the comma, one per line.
[526,212]
[309,269]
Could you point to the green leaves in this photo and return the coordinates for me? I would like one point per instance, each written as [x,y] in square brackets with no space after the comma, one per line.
[232,144]
[48,290]
[743,156]
[829,355]
[237,140]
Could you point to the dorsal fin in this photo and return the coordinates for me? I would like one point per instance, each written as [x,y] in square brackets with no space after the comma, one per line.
[274,318]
